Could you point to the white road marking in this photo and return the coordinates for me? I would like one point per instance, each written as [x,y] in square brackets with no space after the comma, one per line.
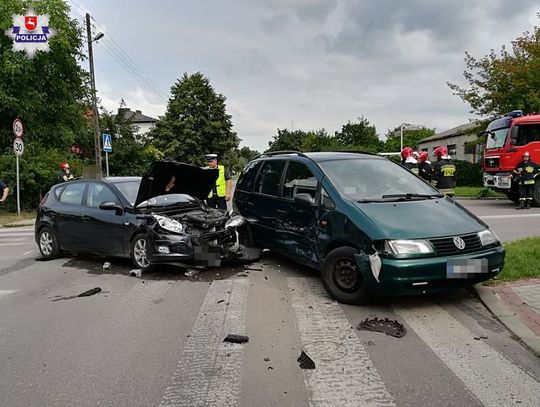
[209,371]
[344,375]
[521,215]
[28,252]
[15,244]
[492,379]
[12,239]
[7,231]
[5,293]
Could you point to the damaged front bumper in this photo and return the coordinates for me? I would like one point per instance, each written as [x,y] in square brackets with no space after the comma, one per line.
[426,275]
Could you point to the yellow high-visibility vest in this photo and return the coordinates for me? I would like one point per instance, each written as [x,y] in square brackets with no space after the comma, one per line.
[221,183]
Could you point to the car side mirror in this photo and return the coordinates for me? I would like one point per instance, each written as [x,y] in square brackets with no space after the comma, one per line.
[304,200]
[111,206]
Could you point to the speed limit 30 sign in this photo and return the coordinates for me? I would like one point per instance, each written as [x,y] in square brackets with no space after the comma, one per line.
[18,129]
[18,147]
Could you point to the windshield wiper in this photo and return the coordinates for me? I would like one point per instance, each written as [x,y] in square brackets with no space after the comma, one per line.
[411,196]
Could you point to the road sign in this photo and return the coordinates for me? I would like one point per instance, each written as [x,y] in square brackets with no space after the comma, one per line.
[107,143]
[18,129]
[18,147]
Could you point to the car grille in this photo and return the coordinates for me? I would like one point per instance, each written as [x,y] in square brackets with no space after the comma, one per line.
[491,162]
[446,246]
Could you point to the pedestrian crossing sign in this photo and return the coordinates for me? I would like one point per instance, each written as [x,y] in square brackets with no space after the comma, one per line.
[107,143]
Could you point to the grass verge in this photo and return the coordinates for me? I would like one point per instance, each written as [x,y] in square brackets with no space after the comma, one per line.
[476,192]
[7,218]
[521,260]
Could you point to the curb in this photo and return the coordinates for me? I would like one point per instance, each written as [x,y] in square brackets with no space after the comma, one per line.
[508,318]
[15,225]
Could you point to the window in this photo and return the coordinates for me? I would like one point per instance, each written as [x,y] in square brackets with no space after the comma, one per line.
[452,149]
[527,134]
[299,180]
[269,178]
[99,193]
[326,201]
[73,194]
[248,176]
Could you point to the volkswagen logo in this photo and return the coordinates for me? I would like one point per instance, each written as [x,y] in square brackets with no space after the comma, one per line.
[459,242]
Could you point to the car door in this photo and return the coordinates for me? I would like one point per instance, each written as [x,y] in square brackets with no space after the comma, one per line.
[102,229]
[298,223]
[67,216]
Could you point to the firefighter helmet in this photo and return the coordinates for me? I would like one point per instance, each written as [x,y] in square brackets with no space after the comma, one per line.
[526,154]
[440,151]
[64,165]
[423,156]
[407,152]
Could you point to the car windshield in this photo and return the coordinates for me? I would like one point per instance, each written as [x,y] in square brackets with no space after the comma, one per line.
[496,138]
[129,189]
[368,179]
[168,200]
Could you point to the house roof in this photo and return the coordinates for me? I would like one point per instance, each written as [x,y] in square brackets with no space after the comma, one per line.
[135,116]
[467,128]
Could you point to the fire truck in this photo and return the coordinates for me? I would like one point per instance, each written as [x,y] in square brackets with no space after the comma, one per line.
[507,138]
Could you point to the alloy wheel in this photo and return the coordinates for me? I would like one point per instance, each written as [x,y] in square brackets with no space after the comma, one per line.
[46,243]
[139,253]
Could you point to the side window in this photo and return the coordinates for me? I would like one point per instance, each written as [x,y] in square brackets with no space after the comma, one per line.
[269,178]
[99,193]
[247,179]
[73,194]
[527,134]
[299,180]
[326,201]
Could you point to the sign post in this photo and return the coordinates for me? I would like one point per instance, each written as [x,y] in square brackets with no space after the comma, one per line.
[18,149]
[107,147]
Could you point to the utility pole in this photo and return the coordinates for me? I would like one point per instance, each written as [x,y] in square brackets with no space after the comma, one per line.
[95,116]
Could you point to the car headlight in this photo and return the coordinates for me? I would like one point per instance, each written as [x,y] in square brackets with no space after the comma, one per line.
[408,246]
[487,237]
[234,222]
[169,224]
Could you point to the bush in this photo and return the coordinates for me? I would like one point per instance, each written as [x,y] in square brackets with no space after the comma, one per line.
[468,174]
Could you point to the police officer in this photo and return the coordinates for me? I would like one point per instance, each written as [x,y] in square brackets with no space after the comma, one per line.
[425,169]
[525,172]
[221,193]
[408,161]
[444,172]
[64,175]
[4,191]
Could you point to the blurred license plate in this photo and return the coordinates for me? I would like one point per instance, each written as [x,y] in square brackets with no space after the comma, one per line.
[466,268]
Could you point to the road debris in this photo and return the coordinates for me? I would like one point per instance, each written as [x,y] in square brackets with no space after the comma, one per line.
[480,337]
[88,293]
[387,326]
[135,273]
[305,361]
[234,338]
[106,266]
[192,273]
[220,301]
[267,359]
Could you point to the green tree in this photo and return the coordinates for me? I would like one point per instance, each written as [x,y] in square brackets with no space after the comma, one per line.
[287,140]
[48,91]
[195,123]
[359,135]
[410,138]
[505,81]
[321,141]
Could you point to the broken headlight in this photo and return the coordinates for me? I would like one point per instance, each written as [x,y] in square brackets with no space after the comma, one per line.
[235,222]
[169,224]
[408,246]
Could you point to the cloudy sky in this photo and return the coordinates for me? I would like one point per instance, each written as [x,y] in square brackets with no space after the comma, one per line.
[304,64]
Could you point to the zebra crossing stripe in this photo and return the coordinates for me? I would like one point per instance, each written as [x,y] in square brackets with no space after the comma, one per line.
[5,293]
[344,375]
[491,378]
[209,371]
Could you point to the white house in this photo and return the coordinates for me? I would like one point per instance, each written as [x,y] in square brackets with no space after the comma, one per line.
[144,123]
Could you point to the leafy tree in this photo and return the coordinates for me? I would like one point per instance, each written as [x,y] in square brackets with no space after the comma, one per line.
[410,138]
[248,154]
[48,91]
[359,136]
[321,141]
[195,123]
[287,140]
[499,83]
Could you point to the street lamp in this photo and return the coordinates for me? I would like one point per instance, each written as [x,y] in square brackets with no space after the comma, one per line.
[97,146]
[407,126]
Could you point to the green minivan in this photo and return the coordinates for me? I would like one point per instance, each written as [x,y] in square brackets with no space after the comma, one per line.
[367,224]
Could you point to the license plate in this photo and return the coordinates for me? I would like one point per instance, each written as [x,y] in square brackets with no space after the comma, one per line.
[466,268]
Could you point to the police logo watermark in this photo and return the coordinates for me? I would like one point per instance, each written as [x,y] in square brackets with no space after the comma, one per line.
[459,242]
[30,33]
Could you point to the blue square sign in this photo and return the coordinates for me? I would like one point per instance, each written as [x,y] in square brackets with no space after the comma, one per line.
[107,143]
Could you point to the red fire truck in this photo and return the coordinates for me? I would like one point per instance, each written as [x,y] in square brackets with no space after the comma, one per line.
[507,138]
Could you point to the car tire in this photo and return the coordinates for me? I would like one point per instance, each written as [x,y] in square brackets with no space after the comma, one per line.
[48,244]
[138,252]
[536,192]
[342,278]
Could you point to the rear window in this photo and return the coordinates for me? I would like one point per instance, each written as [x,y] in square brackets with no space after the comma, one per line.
[247,179]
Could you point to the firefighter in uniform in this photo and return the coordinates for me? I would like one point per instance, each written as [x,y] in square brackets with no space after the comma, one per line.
[221,193]
[425,169]
[444,172]
[64,175]
[525,172]
[408,161]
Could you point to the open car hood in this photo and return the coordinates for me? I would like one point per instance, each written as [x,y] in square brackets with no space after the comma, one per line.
[188,179]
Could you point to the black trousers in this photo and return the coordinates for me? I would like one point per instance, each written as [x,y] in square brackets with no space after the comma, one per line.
[217,202]
[526,191]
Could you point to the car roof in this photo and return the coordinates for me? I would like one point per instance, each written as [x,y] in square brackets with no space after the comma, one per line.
[317,156]
[116,180]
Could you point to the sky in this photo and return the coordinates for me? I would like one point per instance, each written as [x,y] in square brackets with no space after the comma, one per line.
[301,64]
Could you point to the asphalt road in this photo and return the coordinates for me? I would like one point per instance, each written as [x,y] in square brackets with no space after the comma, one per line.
[157,341]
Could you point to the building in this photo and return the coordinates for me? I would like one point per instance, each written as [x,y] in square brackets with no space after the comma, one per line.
[461,142]
[144,123]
